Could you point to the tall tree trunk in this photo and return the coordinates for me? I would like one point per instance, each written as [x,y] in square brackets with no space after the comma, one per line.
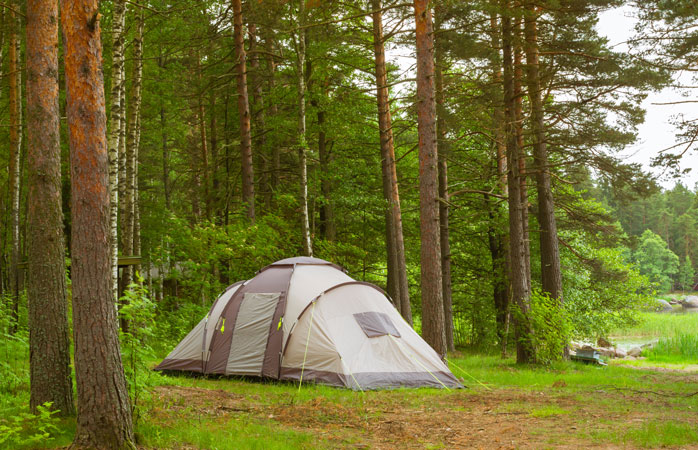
[517,252]
[203,155]
[518,111]
[498,239]
[549,250]
[243,112]
[215,181]
[49,355]
[15,83]
[115,120]
[431,276]
[131,182]
[104,414]
[260,117]
[273,111]
[327,220]
[302,139]
[498,119]
[397,267]
[443,188]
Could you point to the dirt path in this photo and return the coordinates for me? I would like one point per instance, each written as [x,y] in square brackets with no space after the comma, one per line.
[498,419]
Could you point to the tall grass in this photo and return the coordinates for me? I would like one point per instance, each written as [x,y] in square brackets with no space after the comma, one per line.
[660,325]
[681,347]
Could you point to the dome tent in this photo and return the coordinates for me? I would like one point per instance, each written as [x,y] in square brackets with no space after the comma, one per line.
[305,318]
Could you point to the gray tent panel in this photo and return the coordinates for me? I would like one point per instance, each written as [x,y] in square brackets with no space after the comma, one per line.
[251,333]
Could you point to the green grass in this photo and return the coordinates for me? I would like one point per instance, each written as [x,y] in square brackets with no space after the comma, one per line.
[678,348]
[549,411]
[652,435]
[276,414]
[660,325]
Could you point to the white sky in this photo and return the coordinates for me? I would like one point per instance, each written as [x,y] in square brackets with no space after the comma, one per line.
[657,132]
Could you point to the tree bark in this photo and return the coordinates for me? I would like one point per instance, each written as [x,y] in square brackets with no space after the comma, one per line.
[501,288]
[517,253]
[518,112]
[115,118]
[201,117]
[431,276]
[50,373]
[395,243]
[15,84]
[327,220]
[132,143]
[243,112]
[549,249]
[260,117]
[104,415]
[302,139]
[443,188]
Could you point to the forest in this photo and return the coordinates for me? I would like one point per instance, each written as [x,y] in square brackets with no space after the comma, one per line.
[459,167]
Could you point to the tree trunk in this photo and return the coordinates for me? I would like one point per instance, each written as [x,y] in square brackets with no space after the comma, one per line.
[549,250]
[273,111]
[431,276]
[517,253]
[302,140]
[132,142]
[498,239]
[518,111]
[443,189]
[260,117]
[243,112]
[394,236]
[49,354]
[327,220]
[104,414]
[15,83]
[115,118]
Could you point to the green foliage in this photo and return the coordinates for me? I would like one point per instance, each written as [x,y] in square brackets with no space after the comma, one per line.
[552,327]
[138,311]
[25,429]
[656,261]
[686,274]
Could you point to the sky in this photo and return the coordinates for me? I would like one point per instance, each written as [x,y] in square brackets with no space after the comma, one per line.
[657,132]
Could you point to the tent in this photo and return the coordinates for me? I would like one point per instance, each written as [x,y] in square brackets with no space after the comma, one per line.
[306,319]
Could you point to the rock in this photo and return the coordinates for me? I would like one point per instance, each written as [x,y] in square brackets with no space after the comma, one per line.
[662,305]
[603,342]
[690,302]
[635,352]
[630,358]
[611,353]
[620,353]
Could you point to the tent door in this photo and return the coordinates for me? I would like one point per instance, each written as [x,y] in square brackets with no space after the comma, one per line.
[251,333]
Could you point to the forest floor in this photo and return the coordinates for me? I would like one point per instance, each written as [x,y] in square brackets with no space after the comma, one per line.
[568,406]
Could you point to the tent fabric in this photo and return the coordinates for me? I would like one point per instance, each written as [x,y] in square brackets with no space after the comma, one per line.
[305,318]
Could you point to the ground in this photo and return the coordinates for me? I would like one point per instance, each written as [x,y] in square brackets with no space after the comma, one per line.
[569,406]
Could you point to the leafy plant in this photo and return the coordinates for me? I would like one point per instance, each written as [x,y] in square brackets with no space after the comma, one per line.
[26,429]
[138,311]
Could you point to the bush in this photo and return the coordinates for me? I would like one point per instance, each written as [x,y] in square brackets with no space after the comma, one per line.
[551,327]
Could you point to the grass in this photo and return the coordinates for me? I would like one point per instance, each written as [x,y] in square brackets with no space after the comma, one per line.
[660,325]
[652,435]
[527,404]
[676,349]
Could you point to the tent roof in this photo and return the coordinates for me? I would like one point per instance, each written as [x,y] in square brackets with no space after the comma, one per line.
[304,260]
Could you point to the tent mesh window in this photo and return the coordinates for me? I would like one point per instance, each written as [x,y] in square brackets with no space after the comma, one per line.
[376,324]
